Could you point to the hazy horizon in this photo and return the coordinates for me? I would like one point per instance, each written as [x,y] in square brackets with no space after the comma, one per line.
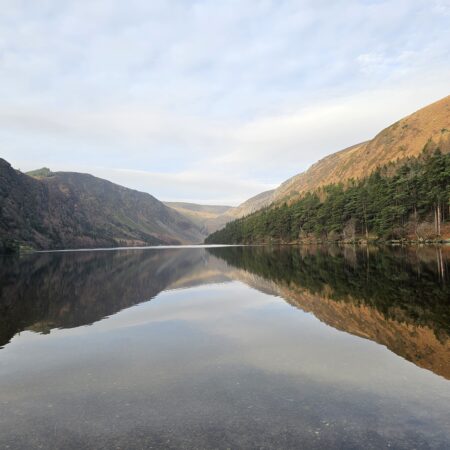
[196,101]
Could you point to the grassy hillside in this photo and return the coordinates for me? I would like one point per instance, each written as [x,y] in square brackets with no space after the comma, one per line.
[427,128]
[44,172]
[65,209]
[382,188]
[252,204]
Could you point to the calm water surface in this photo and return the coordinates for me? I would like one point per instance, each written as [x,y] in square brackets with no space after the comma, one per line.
[233,347]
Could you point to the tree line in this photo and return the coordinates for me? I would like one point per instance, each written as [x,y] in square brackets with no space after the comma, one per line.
[407,201]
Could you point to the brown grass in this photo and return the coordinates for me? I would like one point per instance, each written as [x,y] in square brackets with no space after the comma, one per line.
[427,128]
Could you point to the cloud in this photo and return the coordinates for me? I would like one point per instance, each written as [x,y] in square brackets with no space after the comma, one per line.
[190,186]
[251,91]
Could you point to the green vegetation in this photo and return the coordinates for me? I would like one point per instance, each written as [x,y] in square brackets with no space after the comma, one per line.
[44,172]
[410,201]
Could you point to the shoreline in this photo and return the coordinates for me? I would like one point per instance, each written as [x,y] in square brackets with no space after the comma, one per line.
[360,243]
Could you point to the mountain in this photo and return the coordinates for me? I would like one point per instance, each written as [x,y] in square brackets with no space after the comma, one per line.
[53,210]
[208,217]
[214,217]
[427,128]
[252,204]
[395,186]
[404,202]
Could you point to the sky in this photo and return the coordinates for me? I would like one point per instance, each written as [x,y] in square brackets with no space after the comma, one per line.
[210,101]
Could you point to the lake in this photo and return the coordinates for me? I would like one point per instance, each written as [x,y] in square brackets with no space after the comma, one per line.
[226,347]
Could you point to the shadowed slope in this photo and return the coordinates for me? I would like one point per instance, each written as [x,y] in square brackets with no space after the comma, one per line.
[73,210]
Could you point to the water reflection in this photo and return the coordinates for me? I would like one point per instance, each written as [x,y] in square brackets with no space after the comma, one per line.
[397,297]
[64,290]
[196,348]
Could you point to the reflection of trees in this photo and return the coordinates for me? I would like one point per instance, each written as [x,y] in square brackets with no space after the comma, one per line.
[403,284]
[396,297]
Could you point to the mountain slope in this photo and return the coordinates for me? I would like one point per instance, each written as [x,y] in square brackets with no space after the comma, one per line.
[429,127]
[409,201]
[399,190]
[66,209]
[214,217]
[252,204]
[208,217]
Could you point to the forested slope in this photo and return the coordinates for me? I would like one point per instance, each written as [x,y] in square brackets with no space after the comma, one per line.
[397,201]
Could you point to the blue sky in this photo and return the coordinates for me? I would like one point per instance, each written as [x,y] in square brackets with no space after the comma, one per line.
[210,101]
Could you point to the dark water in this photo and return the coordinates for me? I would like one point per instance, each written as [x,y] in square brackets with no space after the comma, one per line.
[226,348]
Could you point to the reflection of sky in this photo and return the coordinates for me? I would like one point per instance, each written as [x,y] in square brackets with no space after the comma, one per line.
[200,347]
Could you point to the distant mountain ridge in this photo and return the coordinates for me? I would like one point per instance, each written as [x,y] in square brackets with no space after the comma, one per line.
[208,217]
[51,210]
[213,217]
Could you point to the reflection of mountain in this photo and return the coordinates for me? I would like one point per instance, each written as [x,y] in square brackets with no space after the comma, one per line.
[64,290]
[400,299]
